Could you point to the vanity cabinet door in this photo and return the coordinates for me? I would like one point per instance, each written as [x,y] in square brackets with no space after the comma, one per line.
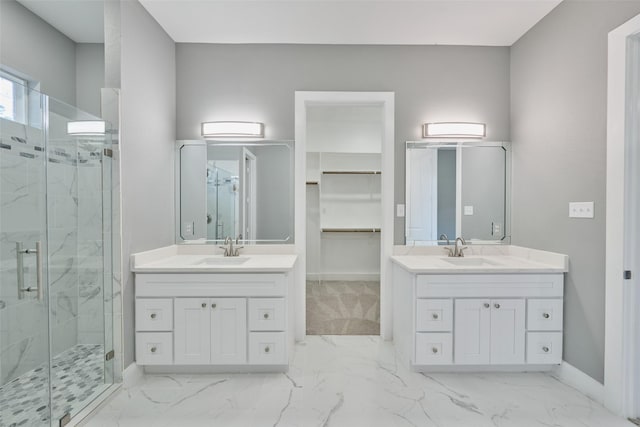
[228,331]
[192,331]
[507,331]
[472,331]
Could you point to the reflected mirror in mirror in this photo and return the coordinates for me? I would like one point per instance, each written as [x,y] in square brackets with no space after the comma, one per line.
[457,189]
[242,190]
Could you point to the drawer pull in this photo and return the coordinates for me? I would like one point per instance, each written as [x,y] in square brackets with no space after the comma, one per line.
[153,315]
[545,349]
[434,350]
[546,315]
[214,305]
[153,349]
[435,316]
[486,305]
[266,315]
[496,305]
[204,305]
[267,349]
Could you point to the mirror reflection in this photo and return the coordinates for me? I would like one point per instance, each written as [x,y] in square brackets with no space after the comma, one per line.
[238,190]
[457,189]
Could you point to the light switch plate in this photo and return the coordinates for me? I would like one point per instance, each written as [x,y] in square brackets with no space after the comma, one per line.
[400,211]
[581,210]
[468,210]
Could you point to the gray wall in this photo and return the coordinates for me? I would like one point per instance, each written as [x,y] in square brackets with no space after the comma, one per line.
[33,47]
[559,88]
[257,82]
[89,76]
[147,146]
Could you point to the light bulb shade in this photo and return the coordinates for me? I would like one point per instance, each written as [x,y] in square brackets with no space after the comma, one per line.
[87,127]
[233,130]
[454,130]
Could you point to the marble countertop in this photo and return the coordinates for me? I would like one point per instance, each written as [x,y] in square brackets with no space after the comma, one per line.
[208,259]
[487,260]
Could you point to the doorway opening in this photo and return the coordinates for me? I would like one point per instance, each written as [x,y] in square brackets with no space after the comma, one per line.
[345,141]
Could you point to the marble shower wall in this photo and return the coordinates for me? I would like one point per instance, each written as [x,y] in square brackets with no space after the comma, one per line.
[23,322]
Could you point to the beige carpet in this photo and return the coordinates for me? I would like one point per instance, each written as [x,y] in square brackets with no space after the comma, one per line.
[343,308]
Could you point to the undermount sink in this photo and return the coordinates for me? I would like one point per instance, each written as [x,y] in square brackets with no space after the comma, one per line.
[223,260]
[472,262]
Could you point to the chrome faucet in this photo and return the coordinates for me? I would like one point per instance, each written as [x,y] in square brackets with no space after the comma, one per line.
[457,252]
[229,250]
[448,247]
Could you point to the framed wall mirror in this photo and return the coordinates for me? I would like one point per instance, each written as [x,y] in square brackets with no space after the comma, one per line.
[242,190]
[457,189]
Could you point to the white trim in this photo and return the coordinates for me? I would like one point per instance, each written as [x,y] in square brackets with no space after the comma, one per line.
[386,99]
[621,330]
[132,375]
[573,377]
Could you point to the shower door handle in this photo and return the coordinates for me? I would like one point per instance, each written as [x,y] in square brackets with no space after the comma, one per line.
[20,252]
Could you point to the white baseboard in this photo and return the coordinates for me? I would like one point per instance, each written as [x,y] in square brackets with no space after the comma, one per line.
[582,382]
[132,375]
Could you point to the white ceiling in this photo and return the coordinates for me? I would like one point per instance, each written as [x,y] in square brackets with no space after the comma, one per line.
[80,20]
[447,22]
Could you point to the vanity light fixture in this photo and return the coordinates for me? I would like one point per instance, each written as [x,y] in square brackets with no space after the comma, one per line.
[232,130]
[454,130]
[87,128]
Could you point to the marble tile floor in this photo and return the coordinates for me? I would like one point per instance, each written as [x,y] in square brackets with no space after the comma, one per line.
[339,381]
[343,308]
[78,376]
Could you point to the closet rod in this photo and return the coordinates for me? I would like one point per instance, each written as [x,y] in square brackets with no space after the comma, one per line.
[350,230]
[352,172]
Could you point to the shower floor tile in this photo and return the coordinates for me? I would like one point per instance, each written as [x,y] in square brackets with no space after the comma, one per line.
[78,375]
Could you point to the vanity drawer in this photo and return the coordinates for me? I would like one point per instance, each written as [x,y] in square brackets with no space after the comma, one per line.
[267,348]
[434,349]
[154,314]
[544,314]
[267,314]
[434,315]
[544,348]
[154,348]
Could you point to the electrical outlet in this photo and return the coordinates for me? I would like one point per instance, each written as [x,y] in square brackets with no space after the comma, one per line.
[400,211]
[581,210]
[468,210]
[496,229]
[187,229]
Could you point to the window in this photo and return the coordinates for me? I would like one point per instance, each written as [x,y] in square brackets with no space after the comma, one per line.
[13,97]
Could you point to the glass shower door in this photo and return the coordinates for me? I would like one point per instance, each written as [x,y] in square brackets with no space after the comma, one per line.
[24,321]
[79,238]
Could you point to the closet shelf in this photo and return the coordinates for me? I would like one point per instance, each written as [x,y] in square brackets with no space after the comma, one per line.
[350,230]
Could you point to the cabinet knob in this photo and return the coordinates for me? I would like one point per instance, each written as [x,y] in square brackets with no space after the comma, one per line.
[266,315]
[204,305]
[214,305]
[545,349]
[153,349]
[546,315]
[267,349]
[496,305]
[153,315]
[486,305]
[434,350]
[435,316]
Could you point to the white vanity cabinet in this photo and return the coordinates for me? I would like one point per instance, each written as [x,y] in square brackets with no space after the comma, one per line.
[213,319]
[478,321]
